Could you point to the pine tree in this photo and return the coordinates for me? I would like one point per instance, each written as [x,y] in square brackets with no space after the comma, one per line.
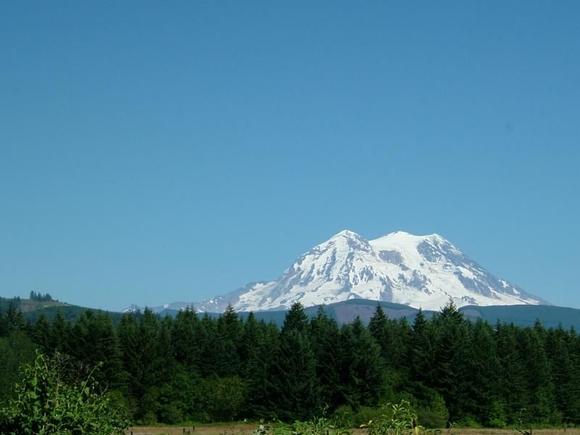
[296,319]
[60,334]
[142,361]
[362,377]
[95,343]
[511,389]
[450,378]
[259,349]
[14,318]
[421,365]
[565,373]
[41,333]
[379,329]
[184,339]
[229,329]
[540,387]
[294,382]
[325,338]
[482,366]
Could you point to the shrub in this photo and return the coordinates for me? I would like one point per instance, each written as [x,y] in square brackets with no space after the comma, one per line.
[365,414]
[344,416]
[318,426]
[497,415]
[397,419]
[47,401]
[435,414]
[222,399]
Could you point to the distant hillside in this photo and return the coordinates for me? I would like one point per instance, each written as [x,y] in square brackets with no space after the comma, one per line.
[33,309]
[345,312]
[526,315]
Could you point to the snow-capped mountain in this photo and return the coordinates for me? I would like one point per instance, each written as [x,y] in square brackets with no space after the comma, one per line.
[419,271]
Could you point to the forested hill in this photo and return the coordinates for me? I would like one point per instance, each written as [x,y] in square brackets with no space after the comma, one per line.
[33,308]
[343,312]
[199,368]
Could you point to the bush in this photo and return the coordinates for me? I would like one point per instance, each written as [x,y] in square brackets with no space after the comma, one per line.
[469,422]
[222,399]
[435,414]
[364,415]
[398,419]
[48,402]
[344,416]
[318,426]
[15,350]
[497,415]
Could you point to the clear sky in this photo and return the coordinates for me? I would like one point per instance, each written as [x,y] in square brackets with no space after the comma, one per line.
[158,151]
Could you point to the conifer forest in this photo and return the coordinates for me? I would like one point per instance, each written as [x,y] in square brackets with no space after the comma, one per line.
[202,368]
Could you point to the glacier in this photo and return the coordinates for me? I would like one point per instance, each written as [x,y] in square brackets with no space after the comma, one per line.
[420,271]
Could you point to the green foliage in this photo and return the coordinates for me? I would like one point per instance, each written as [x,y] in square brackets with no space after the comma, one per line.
[316,426]
[395,419]
[295,392]
[48,402]
[15,349]
[364,415]
[343,416]
[222,399]
[497,415]
[433,414]
[37,296]
[362,375]
[211,368]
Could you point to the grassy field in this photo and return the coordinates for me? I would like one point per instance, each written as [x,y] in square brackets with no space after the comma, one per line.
[247,429]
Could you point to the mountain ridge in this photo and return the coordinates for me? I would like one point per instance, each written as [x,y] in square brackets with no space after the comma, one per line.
[419,271]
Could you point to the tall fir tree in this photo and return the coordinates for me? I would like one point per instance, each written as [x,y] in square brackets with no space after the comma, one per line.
[362,376]
[295,386]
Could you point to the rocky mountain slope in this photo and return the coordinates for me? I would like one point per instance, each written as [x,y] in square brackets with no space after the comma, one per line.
[418,271]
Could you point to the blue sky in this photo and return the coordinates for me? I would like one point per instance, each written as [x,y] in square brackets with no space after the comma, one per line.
[160,151]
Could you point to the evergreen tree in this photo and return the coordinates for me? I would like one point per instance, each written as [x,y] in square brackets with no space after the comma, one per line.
[41,333]
[95,343]
[511,390]
[565,373]
[482,366]
[325,337]
[540,388]
[450,377]
[143,361]
[60,335]
[362,378]
[14,318]
[260,350]
[229,330]
[185,339]
[296,319]
[294,384]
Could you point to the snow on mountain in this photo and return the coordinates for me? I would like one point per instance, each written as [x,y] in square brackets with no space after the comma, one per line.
[419,271]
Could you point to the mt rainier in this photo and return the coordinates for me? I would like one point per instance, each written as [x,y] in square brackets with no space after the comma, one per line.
[419,271]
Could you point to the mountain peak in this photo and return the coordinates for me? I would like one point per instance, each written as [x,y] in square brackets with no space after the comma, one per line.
[407,235]
[346,233]
[420,271]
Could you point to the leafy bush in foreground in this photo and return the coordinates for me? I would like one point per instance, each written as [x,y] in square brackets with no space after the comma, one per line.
[397,419]
[48,401]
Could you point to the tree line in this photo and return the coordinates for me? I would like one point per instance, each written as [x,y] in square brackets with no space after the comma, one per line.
[200,368]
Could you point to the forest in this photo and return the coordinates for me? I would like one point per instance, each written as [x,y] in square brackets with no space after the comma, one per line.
[207,369]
